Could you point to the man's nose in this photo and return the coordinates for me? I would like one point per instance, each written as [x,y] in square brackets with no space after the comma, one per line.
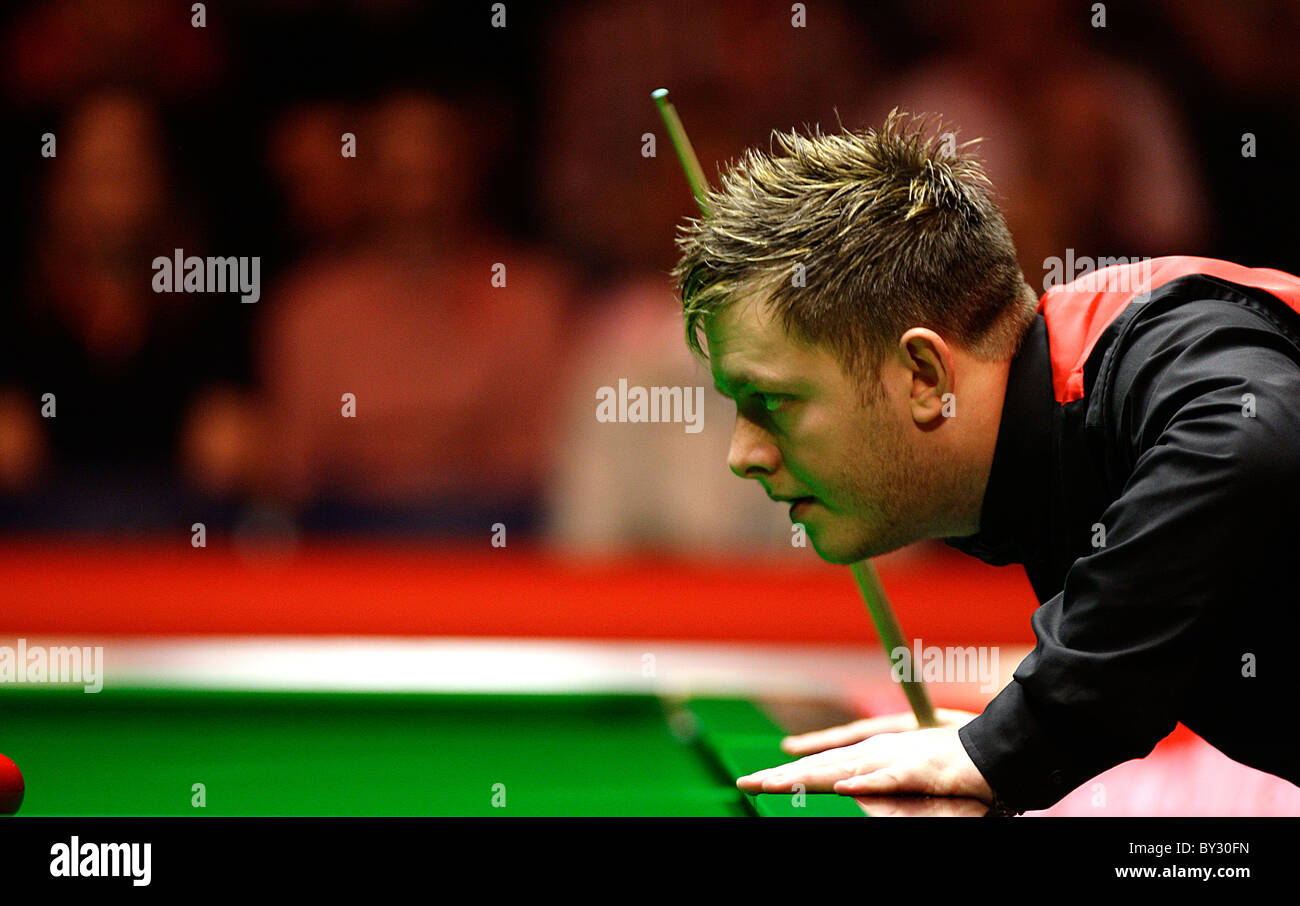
[752,454]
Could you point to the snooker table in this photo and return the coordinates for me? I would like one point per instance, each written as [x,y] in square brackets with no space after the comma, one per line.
[386,728]
[369,681]
[138,752]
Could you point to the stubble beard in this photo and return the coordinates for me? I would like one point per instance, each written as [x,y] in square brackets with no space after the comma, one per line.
[900,499]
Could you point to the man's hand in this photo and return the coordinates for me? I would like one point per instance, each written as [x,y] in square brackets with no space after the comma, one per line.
[821,740]
[929,762]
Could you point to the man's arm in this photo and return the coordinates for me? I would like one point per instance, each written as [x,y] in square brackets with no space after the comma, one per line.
[1212,422]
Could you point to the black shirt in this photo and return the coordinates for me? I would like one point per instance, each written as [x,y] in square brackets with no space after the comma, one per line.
[1158,519]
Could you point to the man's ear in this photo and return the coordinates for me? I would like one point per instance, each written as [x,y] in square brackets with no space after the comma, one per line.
[931,364]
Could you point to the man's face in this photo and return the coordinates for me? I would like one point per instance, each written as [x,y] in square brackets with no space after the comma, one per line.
[807,431]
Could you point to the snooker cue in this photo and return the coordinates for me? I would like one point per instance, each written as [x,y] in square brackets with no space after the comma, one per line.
[682,145]
[864,571]
[891,637]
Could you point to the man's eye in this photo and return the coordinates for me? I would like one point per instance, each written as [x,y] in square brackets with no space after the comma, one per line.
[771,402]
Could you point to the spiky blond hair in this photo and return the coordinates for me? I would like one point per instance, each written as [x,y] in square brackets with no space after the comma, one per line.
[889,228]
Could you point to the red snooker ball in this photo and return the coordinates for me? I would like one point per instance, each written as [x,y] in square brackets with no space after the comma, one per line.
[11,786]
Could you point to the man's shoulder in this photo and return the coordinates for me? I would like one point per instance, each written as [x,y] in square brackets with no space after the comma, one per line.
[1093,319]
[1207,302]
[1197,317]
[1193,334]
[1208,354]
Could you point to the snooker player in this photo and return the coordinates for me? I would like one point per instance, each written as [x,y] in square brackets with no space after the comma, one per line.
[1132,438]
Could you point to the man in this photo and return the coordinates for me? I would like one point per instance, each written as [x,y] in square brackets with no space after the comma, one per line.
[1133,439]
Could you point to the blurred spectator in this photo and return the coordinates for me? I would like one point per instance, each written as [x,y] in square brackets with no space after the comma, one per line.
[124,363]
[454,378]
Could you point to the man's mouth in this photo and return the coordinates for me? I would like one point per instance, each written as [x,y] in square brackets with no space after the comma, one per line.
[800,505]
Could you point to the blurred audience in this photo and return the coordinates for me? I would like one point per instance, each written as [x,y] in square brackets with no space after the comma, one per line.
[519,154]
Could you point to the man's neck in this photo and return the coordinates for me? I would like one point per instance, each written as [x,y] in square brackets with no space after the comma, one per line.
[983,399]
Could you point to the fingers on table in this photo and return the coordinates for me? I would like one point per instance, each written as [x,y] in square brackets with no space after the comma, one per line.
[847,734]
[816,773]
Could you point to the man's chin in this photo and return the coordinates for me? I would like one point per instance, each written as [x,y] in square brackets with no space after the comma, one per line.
[841,553]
